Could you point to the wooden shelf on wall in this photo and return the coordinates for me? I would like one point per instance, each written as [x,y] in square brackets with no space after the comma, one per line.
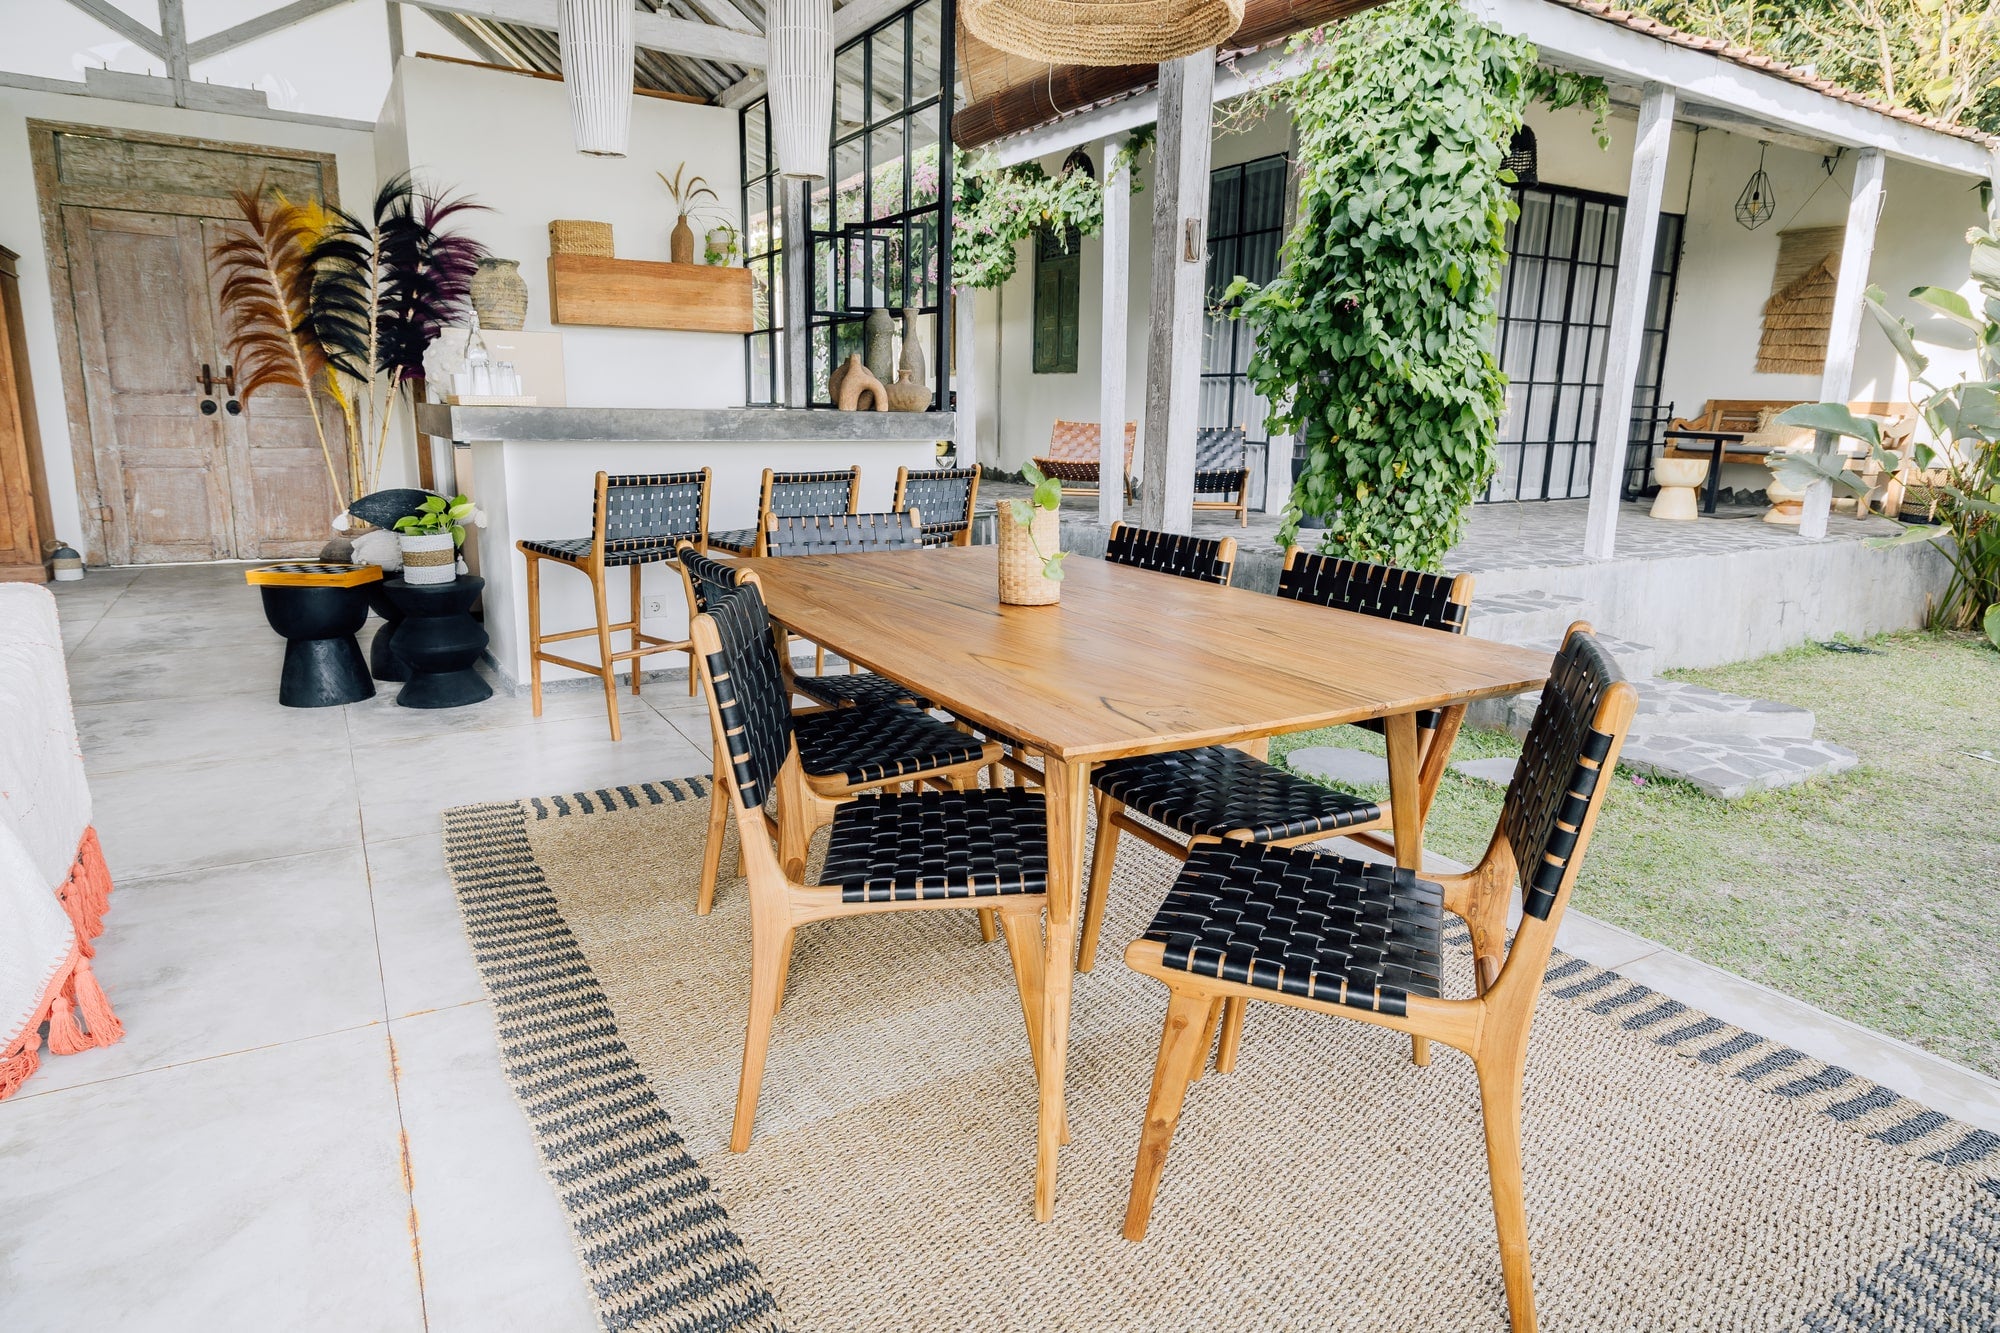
[639,294]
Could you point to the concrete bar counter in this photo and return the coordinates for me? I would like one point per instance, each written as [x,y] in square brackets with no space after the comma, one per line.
[533,470]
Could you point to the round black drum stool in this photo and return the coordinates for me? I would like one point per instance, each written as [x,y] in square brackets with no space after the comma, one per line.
[318,608]
[383,663]
[439,641]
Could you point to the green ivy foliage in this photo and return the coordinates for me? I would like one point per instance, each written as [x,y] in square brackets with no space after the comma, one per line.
[995,208]
[1374,343]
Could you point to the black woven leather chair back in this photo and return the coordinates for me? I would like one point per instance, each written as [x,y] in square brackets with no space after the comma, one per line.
[648,510]
[844,534]
[1552,784]
[1220,455]
[1374,590]
[1207,559]
[711,580]
[750,693]
[943,497]
[814,492]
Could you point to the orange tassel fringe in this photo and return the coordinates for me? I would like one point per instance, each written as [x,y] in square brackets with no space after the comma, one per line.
[75,1007]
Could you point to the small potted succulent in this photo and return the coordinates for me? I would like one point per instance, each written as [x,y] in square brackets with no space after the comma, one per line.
[1029,533]
[430,539]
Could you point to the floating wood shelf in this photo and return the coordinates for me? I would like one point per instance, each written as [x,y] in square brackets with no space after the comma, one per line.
[637,294]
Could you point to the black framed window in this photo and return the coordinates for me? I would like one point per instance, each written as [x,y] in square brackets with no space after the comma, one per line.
[880,221]
[763,253]
[1058,299]
[1246,224]
[1555,322]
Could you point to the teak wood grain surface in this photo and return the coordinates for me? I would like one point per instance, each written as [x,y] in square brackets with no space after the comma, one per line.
[642,294]
[1129,662]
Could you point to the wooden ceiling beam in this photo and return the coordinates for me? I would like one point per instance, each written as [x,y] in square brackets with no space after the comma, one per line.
[655,32]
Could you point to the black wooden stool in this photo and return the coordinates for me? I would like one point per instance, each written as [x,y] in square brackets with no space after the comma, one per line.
[318,608]
[438,641]
[383,663]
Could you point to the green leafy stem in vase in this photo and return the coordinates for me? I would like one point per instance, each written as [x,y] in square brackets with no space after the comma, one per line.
[437,515]
[1048,495]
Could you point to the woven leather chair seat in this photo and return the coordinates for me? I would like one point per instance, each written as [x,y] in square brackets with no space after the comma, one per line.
[1304,923]
[939,844]
[618,552]
[1217,791]
[876,744]
[737,541]
[859,688]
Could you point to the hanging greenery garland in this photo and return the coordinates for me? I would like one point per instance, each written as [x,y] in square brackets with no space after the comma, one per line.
[1375,342]
[995,208]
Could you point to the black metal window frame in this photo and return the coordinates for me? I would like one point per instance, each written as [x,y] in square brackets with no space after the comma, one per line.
[909,245]
[763,202]
[1226,341]
[1558,333]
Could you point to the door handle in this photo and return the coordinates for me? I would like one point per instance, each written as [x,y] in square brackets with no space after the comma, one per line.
[207,381]
[229,380]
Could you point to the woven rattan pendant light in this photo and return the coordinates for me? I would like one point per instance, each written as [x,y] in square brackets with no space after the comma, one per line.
[1102,32]
[800,77]
[595,39]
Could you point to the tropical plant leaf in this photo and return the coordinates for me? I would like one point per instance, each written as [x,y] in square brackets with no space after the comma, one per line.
[1897,330]
[1835,418]
[1991,624]
[1908,537]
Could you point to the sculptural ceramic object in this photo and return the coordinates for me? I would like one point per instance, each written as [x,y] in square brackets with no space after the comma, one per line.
[907,394]
[881,344]
[913,363]
[852,383]
[1678,478]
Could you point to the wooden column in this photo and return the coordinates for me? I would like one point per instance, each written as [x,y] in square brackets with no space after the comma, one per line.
[1628,316]
[1180,267]
[1112,345]
[796,344]
[1836,383]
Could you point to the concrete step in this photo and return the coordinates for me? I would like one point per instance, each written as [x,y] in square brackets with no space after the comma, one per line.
[1729,767]
[1517,617]
[1677,708]
[1636,660]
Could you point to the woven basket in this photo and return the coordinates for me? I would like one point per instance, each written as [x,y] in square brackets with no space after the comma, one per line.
[1022,582]
[569,237]
[1101,32]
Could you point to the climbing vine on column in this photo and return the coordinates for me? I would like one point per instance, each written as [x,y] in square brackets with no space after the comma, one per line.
[1375,342]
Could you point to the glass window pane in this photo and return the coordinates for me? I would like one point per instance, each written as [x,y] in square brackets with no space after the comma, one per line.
[850,95]
[1264,194]
[926,29]
[885,170]
[756,154]
[886,72]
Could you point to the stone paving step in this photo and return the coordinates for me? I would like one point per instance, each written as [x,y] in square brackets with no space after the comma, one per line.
[1515,617]
[1678,708]
[1729,767]
[1637,660]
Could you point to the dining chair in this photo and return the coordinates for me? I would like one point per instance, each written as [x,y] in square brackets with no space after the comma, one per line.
[832,492]
[1074,454]
[636,520]
[843,752]
[842,534]
[1314,931]
[1222,468]
[924,850]
[1204,559]
[946,496]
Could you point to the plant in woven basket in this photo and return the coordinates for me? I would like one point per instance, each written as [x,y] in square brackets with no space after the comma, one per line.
[1047,497]
[1374,343]
[1960,473]
[438,516]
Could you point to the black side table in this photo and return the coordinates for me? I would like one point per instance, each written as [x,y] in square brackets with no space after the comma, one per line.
[383,664]
[439,641]
[318,607]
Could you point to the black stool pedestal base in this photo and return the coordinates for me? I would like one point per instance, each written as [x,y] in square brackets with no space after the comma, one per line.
[438,641]
[383,663]
[323,666]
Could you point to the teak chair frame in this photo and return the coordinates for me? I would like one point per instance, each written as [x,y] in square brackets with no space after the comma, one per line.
[643,644]
[781,902]
[963,536]
[1491,1028]
[805,803]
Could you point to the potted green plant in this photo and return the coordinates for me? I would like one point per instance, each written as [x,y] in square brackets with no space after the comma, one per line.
[430,539]
[722,246]
[1029,533]
[687,192]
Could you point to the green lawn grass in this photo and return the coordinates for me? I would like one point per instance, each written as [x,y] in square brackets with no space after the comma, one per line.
[1874,894]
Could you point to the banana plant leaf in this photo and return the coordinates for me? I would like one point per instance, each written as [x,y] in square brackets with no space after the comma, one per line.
[1907,537]
[1992,624]
[1834,418]
[1897,330]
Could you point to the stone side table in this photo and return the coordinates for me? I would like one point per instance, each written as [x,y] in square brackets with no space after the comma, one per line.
[318,608]
[439,641]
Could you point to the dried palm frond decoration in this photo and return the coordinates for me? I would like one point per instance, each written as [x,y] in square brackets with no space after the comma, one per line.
[1101,32]
[1798,317]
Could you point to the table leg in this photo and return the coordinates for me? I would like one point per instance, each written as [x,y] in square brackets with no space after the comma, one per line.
[1067,790]
[1406,802]
[1714,480]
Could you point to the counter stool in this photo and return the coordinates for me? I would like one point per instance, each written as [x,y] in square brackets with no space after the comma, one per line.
[791,495]
[636,520]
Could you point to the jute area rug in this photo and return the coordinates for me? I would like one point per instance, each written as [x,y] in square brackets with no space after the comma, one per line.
[1681,1173]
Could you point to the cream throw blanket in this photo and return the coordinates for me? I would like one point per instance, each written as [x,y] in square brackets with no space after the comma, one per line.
[53,884]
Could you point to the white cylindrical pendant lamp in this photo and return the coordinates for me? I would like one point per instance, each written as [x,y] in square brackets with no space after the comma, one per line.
[800,77]
[595,37]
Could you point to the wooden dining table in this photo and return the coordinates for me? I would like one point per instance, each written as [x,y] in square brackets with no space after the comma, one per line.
[1129,662]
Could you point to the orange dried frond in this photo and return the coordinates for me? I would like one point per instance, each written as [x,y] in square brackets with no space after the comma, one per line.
[264,270]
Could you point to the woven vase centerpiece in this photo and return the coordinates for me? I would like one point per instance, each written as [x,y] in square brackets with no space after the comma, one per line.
[1022,582]
[1102,32]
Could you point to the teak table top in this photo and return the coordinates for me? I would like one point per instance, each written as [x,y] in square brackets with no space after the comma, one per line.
[1130,661]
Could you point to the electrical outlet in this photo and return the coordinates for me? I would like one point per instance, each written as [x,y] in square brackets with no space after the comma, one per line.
[656,606]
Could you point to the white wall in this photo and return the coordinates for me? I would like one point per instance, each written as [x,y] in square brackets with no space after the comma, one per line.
[505,140]
[21,231]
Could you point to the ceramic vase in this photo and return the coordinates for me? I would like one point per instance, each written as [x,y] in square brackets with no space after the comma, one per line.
[881,344]
[500,294]
[913,362]
[680,245]
[430,557]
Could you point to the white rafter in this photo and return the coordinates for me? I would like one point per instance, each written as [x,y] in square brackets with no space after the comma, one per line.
[656,32]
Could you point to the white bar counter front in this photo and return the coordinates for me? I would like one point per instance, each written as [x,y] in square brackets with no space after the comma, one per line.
[533,472]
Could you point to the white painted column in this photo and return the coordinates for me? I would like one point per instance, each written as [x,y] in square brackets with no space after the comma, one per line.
[1180,268]
[1628,316]
[1112,346]
[795,344]
[965,376]
[1843,337]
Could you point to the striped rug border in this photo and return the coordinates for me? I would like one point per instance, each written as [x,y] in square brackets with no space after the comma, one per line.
[650,1229]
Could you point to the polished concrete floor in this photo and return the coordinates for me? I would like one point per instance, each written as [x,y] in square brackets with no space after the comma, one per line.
[306,1126]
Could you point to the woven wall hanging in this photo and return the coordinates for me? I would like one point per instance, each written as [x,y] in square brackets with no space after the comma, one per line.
[1102,32]
[1798,317]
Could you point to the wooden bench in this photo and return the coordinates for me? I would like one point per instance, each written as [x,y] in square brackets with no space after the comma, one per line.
[1750,415]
